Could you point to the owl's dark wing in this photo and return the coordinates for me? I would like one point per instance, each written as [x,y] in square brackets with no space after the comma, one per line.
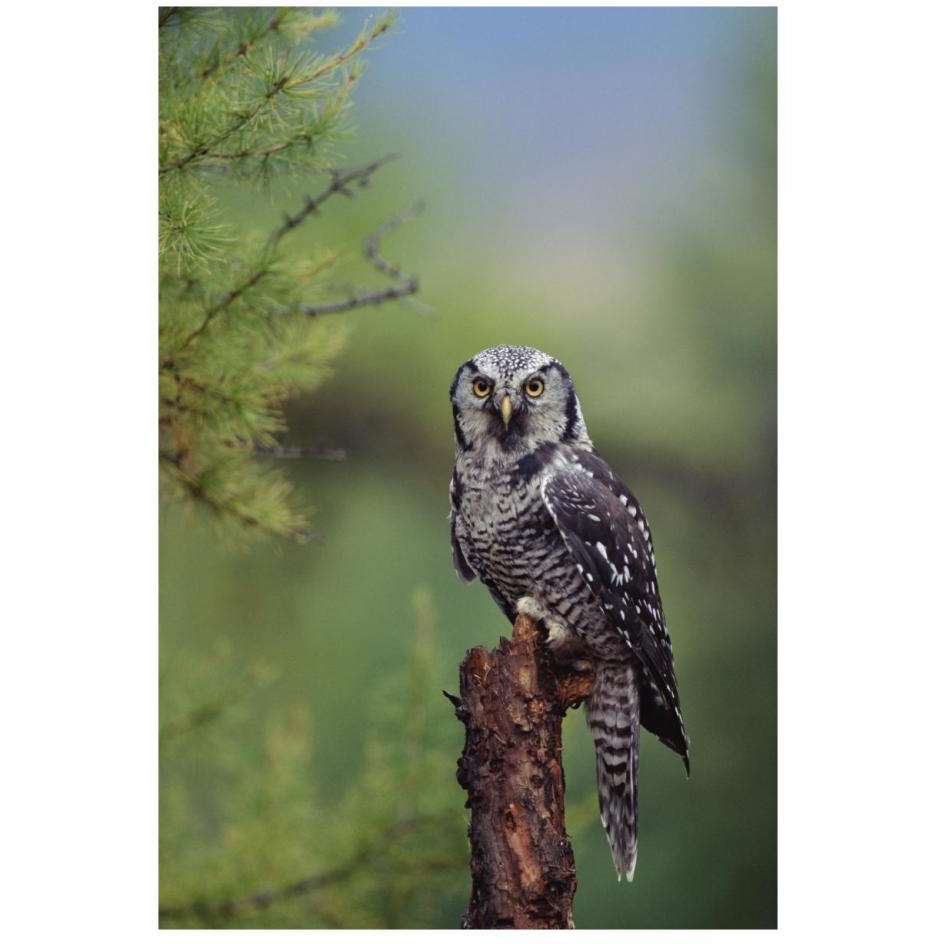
[459,561]
[463,568]
[608,537]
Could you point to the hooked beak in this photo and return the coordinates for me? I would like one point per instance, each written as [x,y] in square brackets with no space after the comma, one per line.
[506,410]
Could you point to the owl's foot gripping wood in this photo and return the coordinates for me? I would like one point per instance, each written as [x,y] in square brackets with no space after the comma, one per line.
[512,701]
[571,656]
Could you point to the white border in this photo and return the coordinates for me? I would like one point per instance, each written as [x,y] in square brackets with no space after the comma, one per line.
[860,475]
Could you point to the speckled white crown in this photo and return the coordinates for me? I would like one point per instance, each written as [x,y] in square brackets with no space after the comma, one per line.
[507,359]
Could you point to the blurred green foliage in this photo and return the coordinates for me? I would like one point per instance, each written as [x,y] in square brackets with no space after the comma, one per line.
[249,838]
[301,770]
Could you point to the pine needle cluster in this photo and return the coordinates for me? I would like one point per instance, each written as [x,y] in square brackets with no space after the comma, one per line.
[244,97]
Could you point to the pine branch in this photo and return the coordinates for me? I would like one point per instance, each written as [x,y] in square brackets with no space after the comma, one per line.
[268,896]
[243,48]
[241,121]
[229,509]
[303,138]
[219,307]
[166,14]
[406,284]
[318,129]
[283,84]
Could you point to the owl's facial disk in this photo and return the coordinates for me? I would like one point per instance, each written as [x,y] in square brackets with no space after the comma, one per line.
[516,398]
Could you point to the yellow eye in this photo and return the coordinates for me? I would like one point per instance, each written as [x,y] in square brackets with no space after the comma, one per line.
[534,387]
[481,388]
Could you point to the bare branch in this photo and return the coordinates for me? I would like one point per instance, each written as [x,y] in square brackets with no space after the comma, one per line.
[406,284]
[372,243]
[341,179]
[301,452]
[364,300]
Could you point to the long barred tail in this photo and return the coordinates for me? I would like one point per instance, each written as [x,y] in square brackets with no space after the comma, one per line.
[613,715]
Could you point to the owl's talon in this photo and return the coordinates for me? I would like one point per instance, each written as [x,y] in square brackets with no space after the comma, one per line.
[530,607]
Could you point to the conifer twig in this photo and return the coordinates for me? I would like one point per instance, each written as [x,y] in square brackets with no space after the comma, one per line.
[358,46]
[243,48]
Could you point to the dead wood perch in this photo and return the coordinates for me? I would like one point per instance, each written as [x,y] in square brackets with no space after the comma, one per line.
[512,701]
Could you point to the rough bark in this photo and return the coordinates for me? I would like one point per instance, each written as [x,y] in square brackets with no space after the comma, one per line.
[512,701]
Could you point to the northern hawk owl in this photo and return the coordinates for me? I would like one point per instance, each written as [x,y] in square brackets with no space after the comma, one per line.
[552,532]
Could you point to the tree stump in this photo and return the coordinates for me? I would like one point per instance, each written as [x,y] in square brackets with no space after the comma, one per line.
[512,701]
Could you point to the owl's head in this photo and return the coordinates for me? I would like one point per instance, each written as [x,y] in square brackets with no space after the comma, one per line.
[517,398]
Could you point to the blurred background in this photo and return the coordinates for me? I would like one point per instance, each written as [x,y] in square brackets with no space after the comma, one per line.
[600,184]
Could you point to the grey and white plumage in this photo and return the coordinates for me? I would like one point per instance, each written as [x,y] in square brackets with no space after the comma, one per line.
[550,530]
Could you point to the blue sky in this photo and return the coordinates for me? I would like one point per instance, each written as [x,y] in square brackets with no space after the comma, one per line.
[558,112]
